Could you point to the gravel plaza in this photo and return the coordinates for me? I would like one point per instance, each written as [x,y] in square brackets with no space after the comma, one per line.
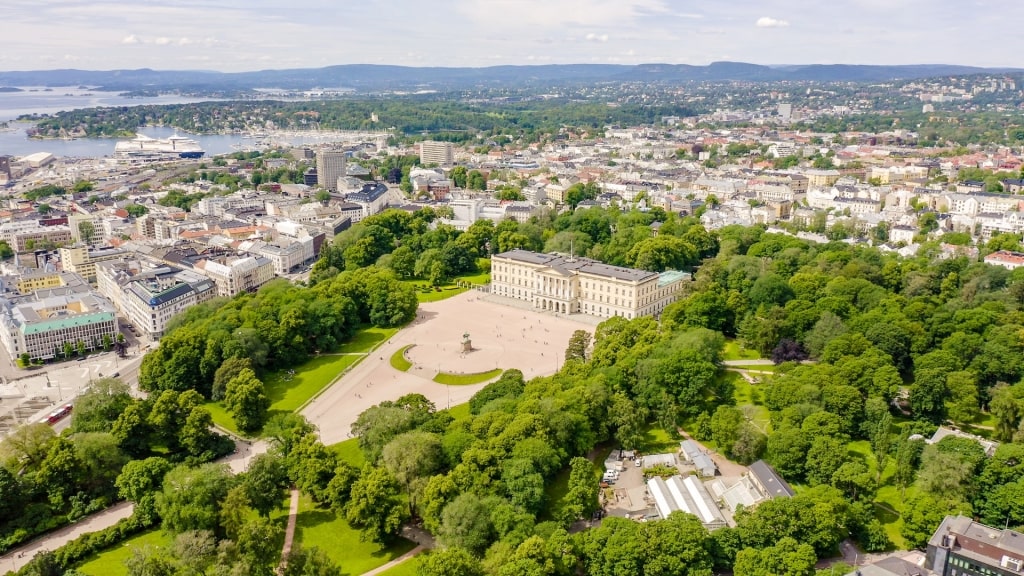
[504,334]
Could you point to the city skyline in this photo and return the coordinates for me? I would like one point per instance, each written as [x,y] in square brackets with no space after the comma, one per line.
[237,35]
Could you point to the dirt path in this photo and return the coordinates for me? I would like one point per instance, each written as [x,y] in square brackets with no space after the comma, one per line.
[289,533]
[408,555]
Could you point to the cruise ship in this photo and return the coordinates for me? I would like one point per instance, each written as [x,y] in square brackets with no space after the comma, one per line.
[145,149]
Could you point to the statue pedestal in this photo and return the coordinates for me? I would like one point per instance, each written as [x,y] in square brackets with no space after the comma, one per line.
[467,345]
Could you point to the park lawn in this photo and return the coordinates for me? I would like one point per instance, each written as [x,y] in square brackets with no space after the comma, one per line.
[289,395]
[366,338]
[754,367]
[348,451]
[310,378]
[222,418]
[889,501]
[447,290]
[657,440]
[735,351]
[326,530]
[467,379]
[408,568]
[459,410]
[398,361]
[110,562]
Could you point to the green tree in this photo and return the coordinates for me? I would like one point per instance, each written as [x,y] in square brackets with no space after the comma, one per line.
[235,511]
[97,408]
[265,480]
[466,523]
[191,497]
[196,551]
[140,481]
[61,473]
[310,561]
[786,558]
[579,342]
[582,498]
[230,368]
[258,543]
[449,562]
[725,424]
[86,230]
[413,456]
[247,401]
[1006,407]
[375,505]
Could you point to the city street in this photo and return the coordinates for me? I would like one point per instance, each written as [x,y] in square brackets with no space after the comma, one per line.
[28,396]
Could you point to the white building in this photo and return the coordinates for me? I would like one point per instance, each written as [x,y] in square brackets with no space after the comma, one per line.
[689,495]
[286,254]
[238,275]
[583,286]
[43,325]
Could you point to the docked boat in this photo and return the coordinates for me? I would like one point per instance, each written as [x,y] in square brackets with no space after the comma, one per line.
[142,148]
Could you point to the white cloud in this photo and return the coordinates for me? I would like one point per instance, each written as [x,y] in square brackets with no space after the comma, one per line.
[769,22]
[597,37]
[130,39]
[162,41]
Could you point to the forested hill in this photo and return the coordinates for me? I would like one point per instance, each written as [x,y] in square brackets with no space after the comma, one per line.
[378,77]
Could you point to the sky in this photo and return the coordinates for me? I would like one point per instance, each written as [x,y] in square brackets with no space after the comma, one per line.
[239,35]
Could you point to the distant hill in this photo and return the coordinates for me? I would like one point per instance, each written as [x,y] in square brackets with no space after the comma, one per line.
[368,77]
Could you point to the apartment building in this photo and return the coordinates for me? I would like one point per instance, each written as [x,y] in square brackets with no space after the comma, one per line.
[82,260]
[150,296]
[26,235]
[42,325]
[583,286]
[373,198]
[440,153]
[330,166]
[236,275]
[963,547]
[286,254]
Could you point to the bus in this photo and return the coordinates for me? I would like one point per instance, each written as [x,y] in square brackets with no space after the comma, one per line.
[58,414]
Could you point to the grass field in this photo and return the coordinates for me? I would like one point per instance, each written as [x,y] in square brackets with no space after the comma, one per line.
[287,395]
[408,568]
[427,293]
[398,361]
[348,451]
[110,562]
[466,379]
[366,339]
[735,351]
[658,441]
[889,499]
[754,367]
[324,529]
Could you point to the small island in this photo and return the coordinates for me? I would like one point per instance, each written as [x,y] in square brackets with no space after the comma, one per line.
[10,89]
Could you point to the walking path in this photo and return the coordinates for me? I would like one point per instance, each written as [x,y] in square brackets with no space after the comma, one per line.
[289,533]
[396,561]
[21,556]
[18,557]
